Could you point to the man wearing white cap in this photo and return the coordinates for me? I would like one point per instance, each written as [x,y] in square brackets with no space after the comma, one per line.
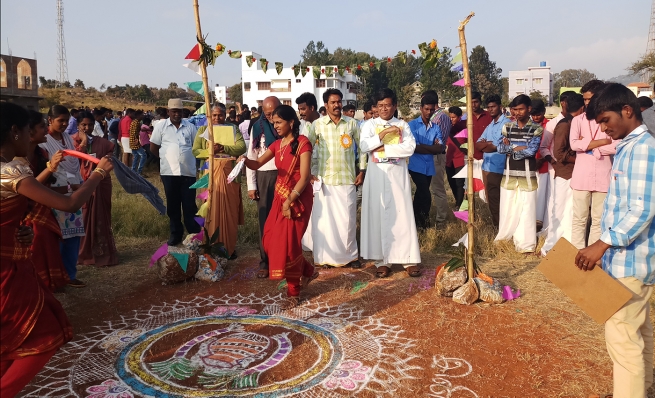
[172,142]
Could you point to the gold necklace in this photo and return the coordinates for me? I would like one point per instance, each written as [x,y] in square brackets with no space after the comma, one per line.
[283,149]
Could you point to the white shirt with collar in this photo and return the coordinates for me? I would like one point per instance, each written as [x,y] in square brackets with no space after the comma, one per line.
[253,154]
[97,130]
[175,152]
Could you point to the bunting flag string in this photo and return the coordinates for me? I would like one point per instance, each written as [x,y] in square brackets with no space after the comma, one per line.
[203,53]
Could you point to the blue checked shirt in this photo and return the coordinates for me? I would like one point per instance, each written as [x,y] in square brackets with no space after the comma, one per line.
[627,223]
[430,135]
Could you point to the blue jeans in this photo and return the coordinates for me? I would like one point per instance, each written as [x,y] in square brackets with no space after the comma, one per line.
[70,250]
[139,160]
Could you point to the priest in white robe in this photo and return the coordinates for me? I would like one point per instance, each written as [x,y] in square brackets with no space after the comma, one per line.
[388,228]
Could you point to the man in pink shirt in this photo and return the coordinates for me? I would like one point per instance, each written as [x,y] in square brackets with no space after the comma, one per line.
[591,173]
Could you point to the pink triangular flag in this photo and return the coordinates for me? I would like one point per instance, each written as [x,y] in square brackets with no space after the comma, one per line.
[459,83]
[462,215]
[199,236]
[203,195]
[462,134]
[508,294]
[161,252]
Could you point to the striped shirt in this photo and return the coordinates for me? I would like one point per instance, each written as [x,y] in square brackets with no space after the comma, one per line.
[335,159]
[627,222]
[521,166]
[442,119]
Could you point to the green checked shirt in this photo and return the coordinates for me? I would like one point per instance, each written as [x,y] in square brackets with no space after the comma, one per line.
[335,159]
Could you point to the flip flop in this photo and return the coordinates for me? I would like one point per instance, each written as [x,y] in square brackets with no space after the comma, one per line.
[262,274]
[307,280]
[414,271]
[383,271]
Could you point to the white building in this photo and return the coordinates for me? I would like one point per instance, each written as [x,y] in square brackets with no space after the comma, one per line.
[258,85]
[221,94]
[536,78]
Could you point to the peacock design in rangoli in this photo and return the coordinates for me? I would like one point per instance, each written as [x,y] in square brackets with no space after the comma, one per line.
[224,357]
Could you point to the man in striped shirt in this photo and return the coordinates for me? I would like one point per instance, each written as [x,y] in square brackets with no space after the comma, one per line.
[520,141]
[441,118]
[626,248]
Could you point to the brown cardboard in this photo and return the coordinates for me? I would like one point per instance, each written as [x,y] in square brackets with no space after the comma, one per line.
[595,292]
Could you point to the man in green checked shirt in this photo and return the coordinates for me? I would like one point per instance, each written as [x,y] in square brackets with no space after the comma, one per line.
[334,216]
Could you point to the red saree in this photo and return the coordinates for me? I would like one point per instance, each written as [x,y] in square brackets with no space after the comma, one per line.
[282,236]
[97,247]
[46,256]
[32,321]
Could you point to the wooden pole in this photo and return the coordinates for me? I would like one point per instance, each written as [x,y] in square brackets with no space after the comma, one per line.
[210,130]
[469,126]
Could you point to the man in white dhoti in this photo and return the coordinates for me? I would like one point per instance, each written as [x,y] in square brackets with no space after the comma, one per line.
[334,215]
[518,189]
[561,216]
[388,228]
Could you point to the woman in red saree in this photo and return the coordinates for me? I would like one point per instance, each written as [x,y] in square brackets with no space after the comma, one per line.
[33,324]
[292,203]
[97,247]
[46,256]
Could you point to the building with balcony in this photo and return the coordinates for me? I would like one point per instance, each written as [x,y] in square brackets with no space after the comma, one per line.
[258,85]
[537,78]
[18,81]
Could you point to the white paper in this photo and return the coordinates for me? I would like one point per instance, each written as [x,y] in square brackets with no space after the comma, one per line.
[463,240]
[235,171]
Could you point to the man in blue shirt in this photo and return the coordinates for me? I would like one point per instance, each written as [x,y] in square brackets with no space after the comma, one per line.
[626,248]
[429,142]
[493,163]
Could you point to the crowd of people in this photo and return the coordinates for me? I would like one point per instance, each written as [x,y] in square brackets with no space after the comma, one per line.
[586,175]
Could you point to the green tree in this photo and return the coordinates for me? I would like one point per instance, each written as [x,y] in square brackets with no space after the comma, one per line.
[505,97]
[441,78]
[315,54]
[645,64]
[235,93]
[485,75]
[172,86]
[570,78]
[78,84]
[538,95]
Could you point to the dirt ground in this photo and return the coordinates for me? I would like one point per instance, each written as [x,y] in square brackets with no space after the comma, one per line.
[540,345]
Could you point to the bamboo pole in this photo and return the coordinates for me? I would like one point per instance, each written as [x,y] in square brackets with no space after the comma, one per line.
[210,130]
[469,126]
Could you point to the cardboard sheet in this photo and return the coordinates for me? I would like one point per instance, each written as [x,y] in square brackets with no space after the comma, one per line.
[595,292]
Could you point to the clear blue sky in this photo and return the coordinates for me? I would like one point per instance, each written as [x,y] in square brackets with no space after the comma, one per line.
[145,41]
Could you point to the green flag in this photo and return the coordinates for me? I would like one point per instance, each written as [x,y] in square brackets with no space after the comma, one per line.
[341,69]
[304,70]
[264,64]
[278,67]
[249,60]
[317,72]
[328,71]
[234,54]
[196,86]
[296,70]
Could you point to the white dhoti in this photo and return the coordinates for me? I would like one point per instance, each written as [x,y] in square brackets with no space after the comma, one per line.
[334,225]
[518,218]
[543,193]
[307,242]
[561,218]
[388,226]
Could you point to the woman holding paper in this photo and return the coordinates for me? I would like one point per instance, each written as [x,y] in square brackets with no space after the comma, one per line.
[292,203]
[32,321]
[97,247]
[227,207]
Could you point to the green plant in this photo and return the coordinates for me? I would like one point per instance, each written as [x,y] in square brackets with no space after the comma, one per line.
[459,260]
[211,245]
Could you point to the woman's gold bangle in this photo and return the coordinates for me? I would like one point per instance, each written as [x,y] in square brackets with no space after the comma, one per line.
[100,171]
[49,166]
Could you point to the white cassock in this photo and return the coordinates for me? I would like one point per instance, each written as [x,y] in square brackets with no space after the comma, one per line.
[388,229]
[561,217]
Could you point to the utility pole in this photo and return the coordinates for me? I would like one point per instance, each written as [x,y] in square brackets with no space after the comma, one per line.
[62,64]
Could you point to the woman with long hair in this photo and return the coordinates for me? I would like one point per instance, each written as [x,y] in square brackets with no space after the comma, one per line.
[67,180]
[33,324]
[292,203]
[97,246]
[46,256]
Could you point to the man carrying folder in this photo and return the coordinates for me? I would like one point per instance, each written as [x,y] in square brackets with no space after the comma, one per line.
[626,248]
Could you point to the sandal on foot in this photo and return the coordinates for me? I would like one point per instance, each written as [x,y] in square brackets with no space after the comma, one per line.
[76,283]
[414,271]
[355,264]
[307,280]
[383,271]
[262,274]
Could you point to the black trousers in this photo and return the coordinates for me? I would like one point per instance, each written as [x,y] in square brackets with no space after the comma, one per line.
[422,199]
[492,188]
[266,188]
[180,199]
[456,184]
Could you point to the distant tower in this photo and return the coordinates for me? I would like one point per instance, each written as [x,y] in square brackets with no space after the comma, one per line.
[650,48]
[62,65]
